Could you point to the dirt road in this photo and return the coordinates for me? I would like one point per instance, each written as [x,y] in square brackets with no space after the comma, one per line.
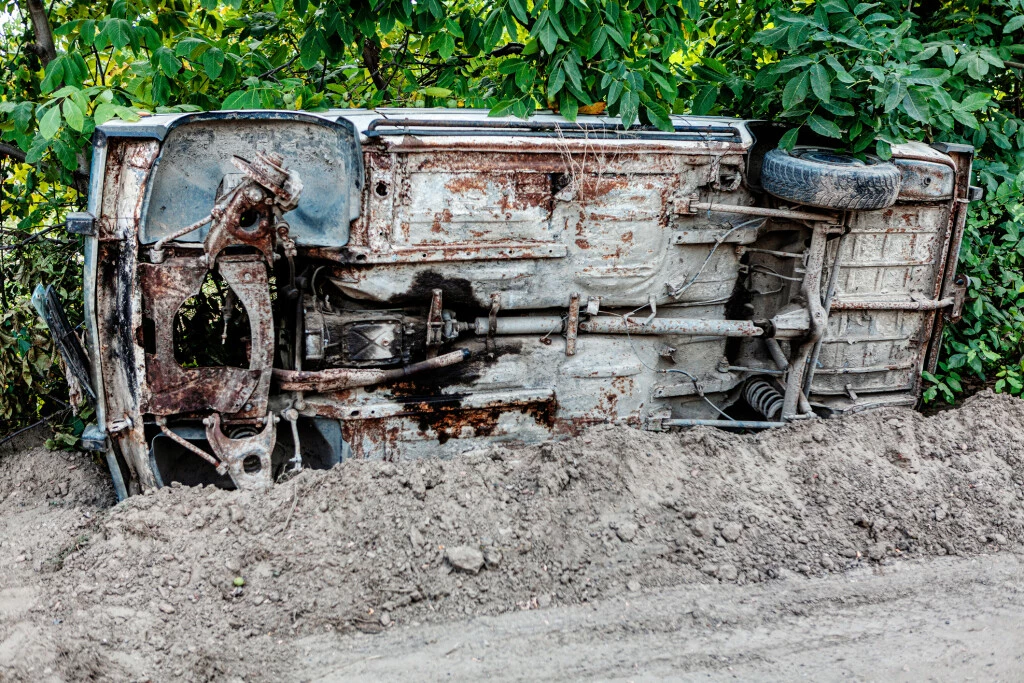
[877,546]
[938,620]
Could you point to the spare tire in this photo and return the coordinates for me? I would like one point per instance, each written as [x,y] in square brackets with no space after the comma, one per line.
[830,180]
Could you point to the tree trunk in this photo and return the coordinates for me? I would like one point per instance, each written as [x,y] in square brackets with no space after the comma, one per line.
[371,59]
[44,47]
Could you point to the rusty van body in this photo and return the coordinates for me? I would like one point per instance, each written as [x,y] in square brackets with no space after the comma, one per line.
[266,291]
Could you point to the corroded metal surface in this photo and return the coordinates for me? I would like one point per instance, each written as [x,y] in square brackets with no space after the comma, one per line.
[333,379]
[442,306]
[246,458]
[174,389]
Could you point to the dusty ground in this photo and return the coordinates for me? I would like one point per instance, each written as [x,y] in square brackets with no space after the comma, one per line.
[811,551]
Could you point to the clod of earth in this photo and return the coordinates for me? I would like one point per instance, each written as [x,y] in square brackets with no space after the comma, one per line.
[465,558]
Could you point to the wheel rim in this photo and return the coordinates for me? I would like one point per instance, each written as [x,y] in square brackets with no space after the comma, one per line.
[822,156]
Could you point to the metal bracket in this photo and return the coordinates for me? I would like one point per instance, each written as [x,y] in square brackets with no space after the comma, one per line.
[246,459]
[492,320]
[81,223]
[118,426]
[572,324]
[94,438]
[652,301]
[959,292]
[435,324]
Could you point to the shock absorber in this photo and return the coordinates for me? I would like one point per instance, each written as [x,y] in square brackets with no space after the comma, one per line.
[763,397]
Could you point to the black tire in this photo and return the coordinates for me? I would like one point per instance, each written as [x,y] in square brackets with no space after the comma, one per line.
[827,179]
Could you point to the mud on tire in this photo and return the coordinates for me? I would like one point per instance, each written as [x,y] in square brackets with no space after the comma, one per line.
[827,179]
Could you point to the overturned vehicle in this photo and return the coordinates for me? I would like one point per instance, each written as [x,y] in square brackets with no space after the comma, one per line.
[267,291]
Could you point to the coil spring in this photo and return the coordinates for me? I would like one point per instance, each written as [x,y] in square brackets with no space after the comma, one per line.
[763,398]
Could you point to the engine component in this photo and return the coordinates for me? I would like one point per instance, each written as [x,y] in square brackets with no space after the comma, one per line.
[763,398]
[369,339]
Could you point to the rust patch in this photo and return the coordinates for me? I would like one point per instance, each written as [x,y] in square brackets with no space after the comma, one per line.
[467,183]
[242,391]
[439,218]
[582,243]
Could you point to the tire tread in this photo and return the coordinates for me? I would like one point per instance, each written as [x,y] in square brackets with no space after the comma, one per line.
[875,186]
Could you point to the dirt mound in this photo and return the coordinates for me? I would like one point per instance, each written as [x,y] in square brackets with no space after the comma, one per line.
[371,543]
[49,502]
[190,580]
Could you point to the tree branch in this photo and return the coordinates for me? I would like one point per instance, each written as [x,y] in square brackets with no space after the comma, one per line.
[269,73]
[12,151]
[510,49]
[44,47]
[371,58]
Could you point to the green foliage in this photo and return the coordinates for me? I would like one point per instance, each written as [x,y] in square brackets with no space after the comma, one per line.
[987,344]
[866,75]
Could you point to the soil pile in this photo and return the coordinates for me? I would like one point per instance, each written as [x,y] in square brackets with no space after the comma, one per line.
[180,576]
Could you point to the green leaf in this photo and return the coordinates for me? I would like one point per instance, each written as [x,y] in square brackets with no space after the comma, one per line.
[213,62]
[503,108]
[242,99]
[568,106]
[965,117]
[518,8]
[841,73]
[795,91]
[168,63]
[878,17]
[104,112]
[310,48]
[73,115]
[437,92]
[118,32]
[556,81]
[546,33]
[1014,24]
[629,107]
[50,123]
[185,47]
[975,101]
[839,108]
[823,126]
[658,115]
[789,64]
[788,140]
[894,94]
[915,110]
[127,114]
[949,55]
[443,44]
[883,149]
[54,74]
[928,77]
[704,100]
[820,84]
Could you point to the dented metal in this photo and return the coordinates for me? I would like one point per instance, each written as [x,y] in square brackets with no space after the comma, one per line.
[426,284]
